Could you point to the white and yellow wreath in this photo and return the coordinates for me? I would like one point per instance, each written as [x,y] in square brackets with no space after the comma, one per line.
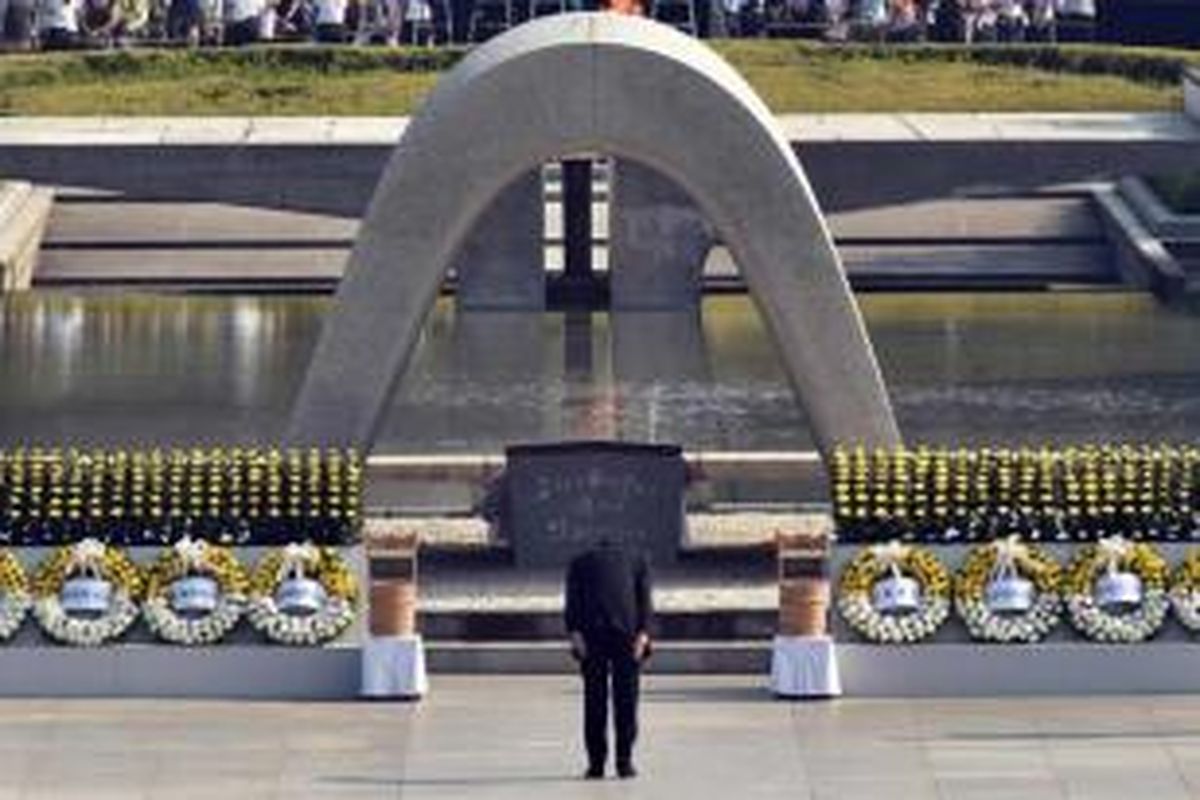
[195,593]
[1117,561]
[1008,591]
[302,594]
[92,574]
[14,595]
[1185,591]
[880,564]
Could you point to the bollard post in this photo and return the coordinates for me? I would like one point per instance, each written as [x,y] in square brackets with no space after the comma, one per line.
[803,656]
[393,658]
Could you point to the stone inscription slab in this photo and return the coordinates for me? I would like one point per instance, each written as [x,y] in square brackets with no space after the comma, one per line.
[562,498]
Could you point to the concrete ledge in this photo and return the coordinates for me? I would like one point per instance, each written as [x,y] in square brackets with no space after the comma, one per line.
[1191,92]
[1141,256]
[1162,221]
[24,211]
[228,671]
[1063,668]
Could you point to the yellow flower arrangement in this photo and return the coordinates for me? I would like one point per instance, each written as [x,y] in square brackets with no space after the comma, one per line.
[207,625]
[14,594]
[872,565]
[93,558]
[998,619]
[326,566]
[329,569]
[219,563]
[1115,555]
[1185,590]
[114,566]
[980,564]
[1142,559]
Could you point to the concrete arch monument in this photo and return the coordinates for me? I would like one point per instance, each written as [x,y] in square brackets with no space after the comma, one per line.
[585,83]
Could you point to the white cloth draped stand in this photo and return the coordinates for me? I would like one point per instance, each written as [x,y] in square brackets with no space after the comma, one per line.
[805,666]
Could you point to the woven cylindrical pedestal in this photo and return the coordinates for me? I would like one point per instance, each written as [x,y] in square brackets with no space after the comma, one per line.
[803,584]
[804,607]
[393,607]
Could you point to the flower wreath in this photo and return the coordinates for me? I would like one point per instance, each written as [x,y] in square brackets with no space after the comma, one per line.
[1114,556]
[180,617]
[895,560]
[104,565]
[1185,591]
[14,595]
[1008,559]
[338,594]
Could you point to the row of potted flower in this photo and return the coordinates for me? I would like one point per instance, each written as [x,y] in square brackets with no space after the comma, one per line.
[194,593]
[1009,590]
[133,496]
[1074,493]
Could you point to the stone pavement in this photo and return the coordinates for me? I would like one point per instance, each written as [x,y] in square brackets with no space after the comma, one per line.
[507,737]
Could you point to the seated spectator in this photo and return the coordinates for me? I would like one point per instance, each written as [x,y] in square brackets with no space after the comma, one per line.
[58,24]
[871,19]
[186,21]
[133,17]
[1041,21]
[984,23]
[293,19]
[243,22]
[331,21]
[949,21]
[16,24]
[1011,21]
[904,24]
[381,22]
[97,18]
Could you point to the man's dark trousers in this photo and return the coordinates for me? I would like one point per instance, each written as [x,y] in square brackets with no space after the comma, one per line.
[609,654]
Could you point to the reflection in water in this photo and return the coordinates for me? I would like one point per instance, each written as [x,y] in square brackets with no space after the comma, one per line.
[104,369]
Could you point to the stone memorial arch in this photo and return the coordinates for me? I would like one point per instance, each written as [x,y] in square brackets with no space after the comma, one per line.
[593,83]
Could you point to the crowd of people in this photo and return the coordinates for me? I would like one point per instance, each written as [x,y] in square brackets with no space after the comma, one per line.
[68,24]
[916,20]
[74,24]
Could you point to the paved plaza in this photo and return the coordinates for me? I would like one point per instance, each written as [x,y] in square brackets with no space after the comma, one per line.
[510,737]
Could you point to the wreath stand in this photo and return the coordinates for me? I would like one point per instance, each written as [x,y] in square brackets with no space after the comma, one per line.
[393,656]
[803,656]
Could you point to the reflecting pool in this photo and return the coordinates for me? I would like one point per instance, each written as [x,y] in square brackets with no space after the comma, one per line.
[1056,367]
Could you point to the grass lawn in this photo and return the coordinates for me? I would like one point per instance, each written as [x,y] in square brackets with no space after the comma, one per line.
[791,76]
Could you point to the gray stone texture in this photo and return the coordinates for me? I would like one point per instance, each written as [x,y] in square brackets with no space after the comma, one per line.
[703,738]
[653,95]
[658,242]
[501,264]
[24,211]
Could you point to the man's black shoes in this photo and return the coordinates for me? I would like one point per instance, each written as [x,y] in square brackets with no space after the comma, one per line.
[594,774]
[625,770]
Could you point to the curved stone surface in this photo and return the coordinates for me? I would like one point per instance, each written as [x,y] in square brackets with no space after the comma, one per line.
[579,83]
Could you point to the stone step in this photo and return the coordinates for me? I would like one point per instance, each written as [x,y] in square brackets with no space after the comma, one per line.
[491,627]
[553,658]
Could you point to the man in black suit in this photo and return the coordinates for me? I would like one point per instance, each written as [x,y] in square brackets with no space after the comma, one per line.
[608,611]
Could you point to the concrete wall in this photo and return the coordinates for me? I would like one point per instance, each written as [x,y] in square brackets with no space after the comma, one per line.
[340,179]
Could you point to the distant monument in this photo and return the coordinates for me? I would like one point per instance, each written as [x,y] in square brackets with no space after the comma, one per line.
[564,497]
[585,83]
